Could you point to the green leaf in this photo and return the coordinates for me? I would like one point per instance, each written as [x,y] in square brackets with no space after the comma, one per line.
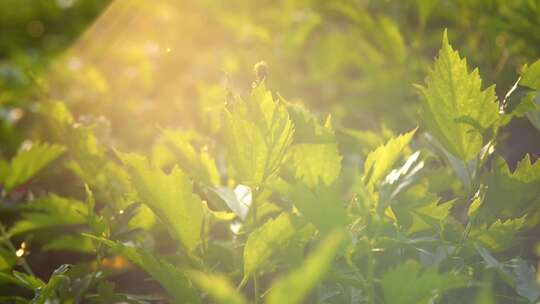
[316,163]
[295,286]
[307,128]
[28,281]
[49,212]
[323,206]
[257,133]
[407,284]
[8,259]
[381,161]
[173,280]
[530,76]
[272,236]
[27,163]
[315,155]
[238,200]
[510,195]
[499,236]
[70,243]
[170,197]
[47,292]
[517,273]
[417,209]
[217,287]
[526,279]
[200,165]
[455,109]
[429,216]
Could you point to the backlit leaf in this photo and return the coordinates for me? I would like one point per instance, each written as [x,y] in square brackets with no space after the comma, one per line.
[170,197]
[217,287]
[27,163]
[510,195]
[381,161]
[273,235]
[257,132]
[49,212]
[455,108]
[295,286]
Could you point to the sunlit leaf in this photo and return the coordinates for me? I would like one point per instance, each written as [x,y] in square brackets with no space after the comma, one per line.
[272,236]
[510,195]
[322,206]
[217,287]
[295,286]
[316,163]
[455,108]
[50,212]
[381,161]
[170,197]
[27,163]
[257,132]
[200,165]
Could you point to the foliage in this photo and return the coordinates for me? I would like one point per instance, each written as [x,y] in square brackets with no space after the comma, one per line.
[346,188]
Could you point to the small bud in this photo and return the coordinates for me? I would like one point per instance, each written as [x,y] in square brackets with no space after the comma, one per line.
[261,71]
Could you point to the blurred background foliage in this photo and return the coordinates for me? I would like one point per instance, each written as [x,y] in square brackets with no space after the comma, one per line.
[135,66]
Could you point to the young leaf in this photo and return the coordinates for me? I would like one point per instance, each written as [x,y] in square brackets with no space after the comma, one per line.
[316,163]
[48,212]
[27,163]
[170,197]
[173,280]
[273,235]
[510,195]
[381,161]
[322,206]
[406,284]
[295,286]
[315,155]
[517,273]
[455,109]
[238,200]
[217,287]
[8,259]
[530,76]
[257,133]
[201,166]
[47,292]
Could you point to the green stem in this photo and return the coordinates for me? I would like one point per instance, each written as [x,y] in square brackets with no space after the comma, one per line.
[9,244]
[370,276]
[255,288]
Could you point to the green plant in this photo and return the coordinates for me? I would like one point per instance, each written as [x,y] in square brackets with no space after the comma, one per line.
[276,206]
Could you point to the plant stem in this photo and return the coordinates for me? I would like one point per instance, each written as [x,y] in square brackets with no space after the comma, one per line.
[255,288]
[9,244]
[370,276]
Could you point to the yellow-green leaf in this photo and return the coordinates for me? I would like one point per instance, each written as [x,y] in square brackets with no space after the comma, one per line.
[257,133]
[217,287]
[455,109]
[381,161]
[295,286]
[267,239]
[27,163]
[170,196]
[315,163]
